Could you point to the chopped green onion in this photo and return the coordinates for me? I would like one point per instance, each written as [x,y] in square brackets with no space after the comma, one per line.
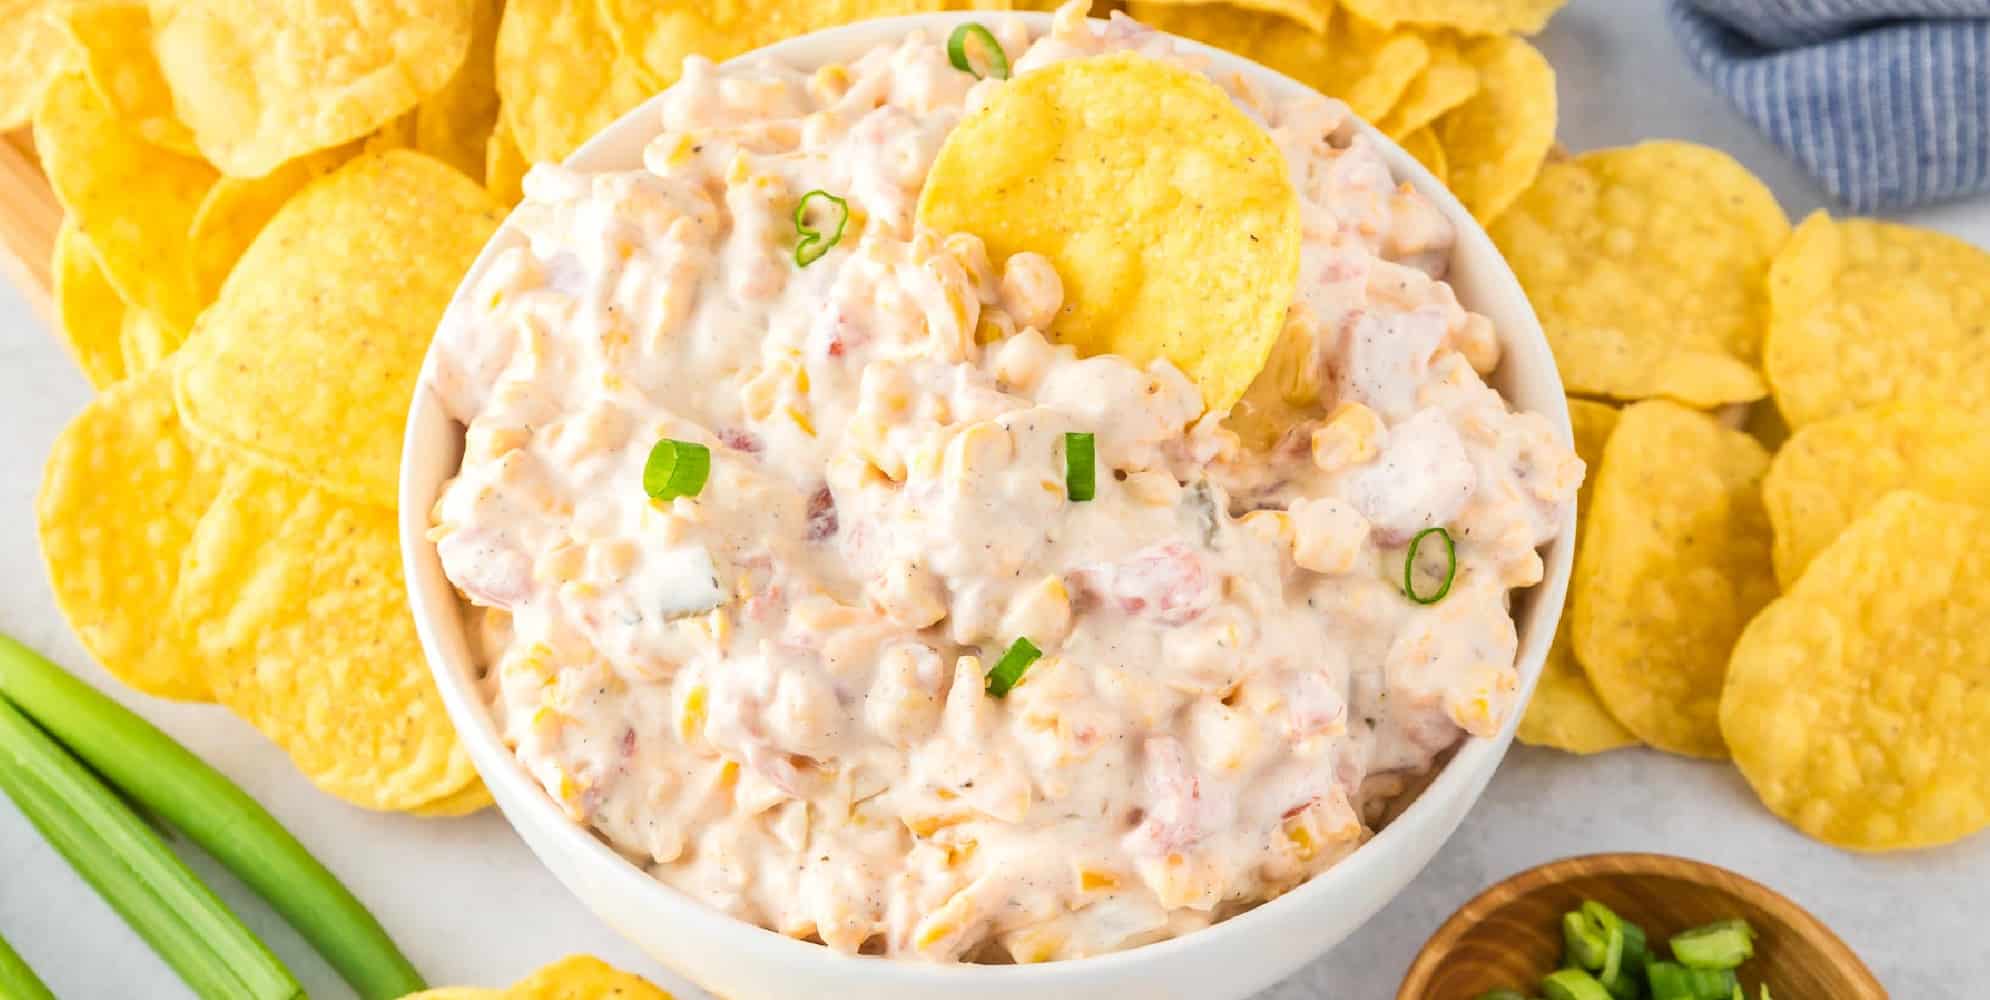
[1584,944]
[813,243]
[1009,669]
[998,62]
[1613,955]
[1724,944]
[1450,568]
[1672,981]
[211,811]
[133,870]
[17,980]
[676,469]
[1573,984]
[1081,466]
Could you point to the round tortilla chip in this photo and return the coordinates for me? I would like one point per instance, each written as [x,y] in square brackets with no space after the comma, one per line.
[122,492]
[262,83]
[1647,265]
[89,314]
[31,54]
[132,199]
[1497,140]
[295,601]
[1366,67]
[454,124]
[1864,312]
[1473,17]
[236,208]
[115,40]
[472,798]
[576,977]
[1858,704]
[1832,471]
[560,76]
[1673,564]
[325,320]
[1314,15]
[1167,212]
[1447,82]
[1565,712]
[1423,145]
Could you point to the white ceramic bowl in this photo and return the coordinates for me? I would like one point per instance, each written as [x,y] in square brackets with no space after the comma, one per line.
[1230,960]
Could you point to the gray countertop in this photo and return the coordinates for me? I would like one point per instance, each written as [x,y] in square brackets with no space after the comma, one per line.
[471,905]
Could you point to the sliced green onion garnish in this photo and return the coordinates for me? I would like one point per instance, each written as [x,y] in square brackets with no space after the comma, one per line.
[1584,944]
[1672,981]
[133,870]
[998,62]
[1573,984]
[812,243]
[210,810]
[676,469]
[1009,669]
[1450,570]
[1081,466]
[17,980]
[1723,944]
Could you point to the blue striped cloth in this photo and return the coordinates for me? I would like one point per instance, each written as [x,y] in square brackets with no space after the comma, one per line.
[1885,102]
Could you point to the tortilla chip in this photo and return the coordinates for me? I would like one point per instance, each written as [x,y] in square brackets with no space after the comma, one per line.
[1423,145]
[1314,15]
[1674,563]
[122,491]
[1833,471]
[132,199]
[454,125]
[1566,713]
[263,83]
[560,76]
[504,168]
[88,312]
[1167,211]
[1496,141]
[236,208]
[144,342]
[1476,17]
[31,54]
[1447,82]
[1858,704]
[115,40]
[1364,66]
[576,977]
[472,798]
[296,602]
[1647,265]
[326,318]
[1865,312]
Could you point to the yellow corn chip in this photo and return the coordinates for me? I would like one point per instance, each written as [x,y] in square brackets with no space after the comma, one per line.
[1565,712]
[1865,312]
[236,208]
[119,499]
[296,602]
[1313,14]
[132,199]
[115,40]
[1423,145]
[504,168]
[1477,17]
[560,76]
[472,798]
[1647,265]
[1858,704]
[576,977]
[455,124]
[326,318]
[1166,211]
[31,54]
[89,312]
[1833,471]
[1675,561]
[1364,66]
[1447,82]
[1496,141]
[262,83]
[144,343]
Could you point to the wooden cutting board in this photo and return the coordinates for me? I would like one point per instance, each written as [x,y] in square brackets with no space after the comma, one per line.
[29,219]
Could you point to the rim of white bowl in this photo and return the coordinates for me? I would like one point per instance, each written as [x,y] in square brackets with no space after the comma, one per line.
[1472,764]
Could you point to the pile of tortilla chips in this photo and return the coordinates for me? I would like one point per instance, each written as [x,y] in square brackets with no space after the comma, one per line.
[577,977]
[1787,476]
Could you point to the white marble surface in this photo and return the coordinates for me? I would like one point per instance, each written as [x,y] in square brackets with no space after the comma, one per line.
[471,906]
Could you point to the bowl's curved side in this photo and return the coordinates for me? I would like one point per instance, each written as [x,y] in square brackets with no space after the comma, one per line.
[1232,959]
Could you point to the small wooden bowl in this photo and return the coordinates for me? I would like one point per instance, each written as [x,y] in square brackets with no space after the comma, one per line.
[1511,934]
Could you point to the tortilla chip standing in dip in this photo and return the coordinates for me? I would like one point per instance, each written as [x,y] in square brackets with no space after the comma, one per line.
[851,532]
